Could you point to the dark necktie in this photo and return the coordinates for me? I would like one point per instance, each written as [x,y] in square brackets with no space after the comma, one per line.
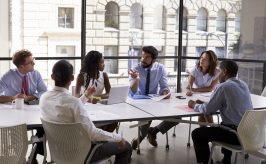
[25,85]
[147,82]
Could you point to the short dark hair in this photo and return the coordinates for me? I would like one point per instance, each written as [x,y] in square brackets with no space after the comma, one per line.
[20,56]
[230,66]
[151,50]
[62,73]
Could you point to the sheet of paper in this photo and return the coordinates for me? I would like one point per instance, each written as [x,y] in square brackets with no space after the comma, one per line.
[185,108]
[156,97]
[96,114]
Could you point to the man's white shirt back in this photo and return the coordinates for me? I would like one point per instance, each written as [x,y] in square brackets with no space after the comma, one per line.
[58,105]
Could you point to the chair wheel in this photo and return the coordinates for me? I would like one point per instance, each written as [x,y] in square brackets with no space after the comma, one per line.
[167,147]
[188,144]
[246,156]
[138,151]
[174,135]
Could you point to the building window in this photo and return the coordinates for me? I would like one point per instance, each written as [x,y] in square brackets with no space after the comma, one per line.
[199,50]
[202,19]
[66,51]
[159,19]
[161,52]
[111,65]
[136,16]
[65,17]
[112,15]
[237,22]
[183,61]
[221,21]
[219,52]
[184,26]
[136,51]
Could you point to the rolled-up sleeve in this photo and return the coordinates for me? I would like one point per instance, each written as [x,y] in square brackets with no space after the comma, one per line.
[216,102]
[163,81]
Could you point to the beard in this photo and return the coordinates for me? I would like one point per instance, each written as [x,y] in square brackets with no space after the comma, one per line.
[145,65]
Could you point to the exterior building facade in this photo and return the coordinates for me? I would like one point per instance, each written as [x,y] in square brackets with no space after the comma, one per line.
[120,28]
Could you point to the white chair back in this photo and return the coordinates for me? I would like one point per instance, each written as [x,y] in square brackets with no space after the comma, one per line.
[13,144]
[251,130]
[263,93]
[69,143]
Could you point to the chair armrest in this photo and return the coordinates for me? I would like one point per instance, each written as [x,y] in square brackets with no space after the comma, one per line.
[92,151]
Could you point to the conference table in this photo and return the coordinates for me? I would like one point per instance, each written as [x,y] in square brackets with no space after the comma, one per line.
[132,110]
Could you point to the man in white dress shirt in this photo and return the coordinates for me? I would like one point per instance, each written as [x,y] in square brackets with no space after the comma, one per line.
[58,105]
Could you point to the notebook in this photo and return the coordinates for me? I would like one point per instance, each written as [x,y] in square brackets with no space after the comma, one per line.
[117,95]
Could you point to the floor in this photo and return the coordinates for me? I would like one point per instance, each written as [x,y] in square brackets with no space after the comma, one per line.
[178,152]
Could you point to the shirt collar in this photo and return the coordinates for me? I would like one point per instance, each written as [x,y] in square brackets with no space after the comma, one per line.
[60,89]
[232,78]
[20,74]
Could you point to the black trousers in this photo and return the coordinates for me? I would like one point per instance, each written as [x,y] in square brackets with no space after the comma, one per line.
[40,149]
[111,148]
[202,136]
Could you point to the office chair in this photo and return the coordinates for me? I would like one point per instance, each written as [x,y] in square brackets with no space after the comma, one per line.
[251,135]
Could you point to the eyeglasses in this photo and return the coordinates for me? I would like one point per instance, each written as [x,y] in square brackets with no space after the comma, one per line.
[31,62]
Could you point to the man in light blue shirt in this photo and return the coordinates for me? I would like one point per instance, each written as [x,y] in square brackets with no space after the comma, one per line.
[11,83]
[232,99]
[23,82]
[145,79]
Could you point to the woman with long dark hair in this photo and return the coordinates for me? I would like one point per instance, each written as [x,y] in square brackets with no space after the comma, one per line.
[204,77]
[92,75]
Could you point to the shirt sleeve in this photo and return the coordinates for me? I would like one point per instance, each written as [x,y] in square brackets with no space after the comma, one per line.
[192,72]
[41,87]
[3,85]
[95,134]
[216,102]
[163,81]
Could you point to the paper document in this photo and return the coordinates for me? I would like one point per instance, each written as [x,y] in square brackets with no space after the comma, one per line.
[156,97]
[185,108]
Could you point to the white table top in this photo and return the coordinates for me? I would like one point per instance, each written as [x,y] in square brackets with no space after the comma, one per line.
[115,112]
[144,109]
[169,108]
[97,112]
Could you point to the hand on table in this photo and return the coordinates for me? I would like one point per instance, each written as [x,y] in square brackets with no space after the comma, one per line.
[191,103]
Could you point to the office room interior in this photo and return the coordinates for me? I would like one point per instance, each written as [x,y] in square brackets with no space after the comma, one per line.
[179,29]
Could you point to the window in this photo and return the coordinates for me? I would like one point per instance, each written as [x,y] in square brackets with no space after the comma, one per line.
[112,15]
[183,62]
[184,27]
[161,52]
[66,51]
[111,65]
[136,51]
[159,17]
[221,21]
[219,52]
[136,16]
[202,19]
[65,17]
[199,50]
[237,22]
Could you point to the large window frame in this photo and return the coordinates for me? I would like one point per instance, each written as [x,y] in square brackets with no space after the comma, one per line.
[179,57]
